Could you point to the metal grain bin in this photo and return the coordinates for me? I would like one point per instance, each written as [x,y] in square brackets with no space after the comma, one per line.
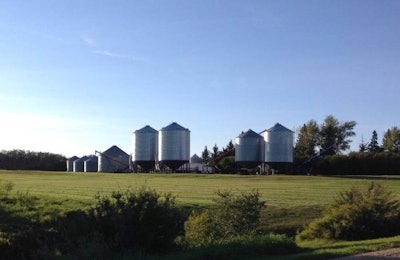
[70,163]
[145,147]
[78,164]
[249,149]
[174,146]
[278,144]
[91,164]
[113,160]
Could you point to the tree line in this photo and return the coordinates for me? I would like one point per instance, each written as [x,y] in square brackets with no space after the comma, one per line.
[28,160]
[332,138]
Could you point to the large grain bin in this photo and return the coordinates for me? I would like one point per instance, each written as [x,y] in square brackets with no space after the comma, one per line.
[174,146]
[278,144]
[113,160]
[78,164]
[91,164]
[249,149]
[145,147]
[70,163]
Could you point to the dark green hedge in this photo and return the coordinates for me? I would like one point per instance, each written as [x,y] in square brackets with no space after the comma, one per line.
[359,164]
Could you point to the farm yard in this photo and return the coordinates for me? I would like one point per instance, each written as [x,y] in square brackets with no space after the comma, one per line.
[291,201]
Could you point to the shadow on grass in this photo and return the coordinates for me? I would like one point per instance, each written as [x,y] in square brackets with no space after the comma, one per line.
[365,177]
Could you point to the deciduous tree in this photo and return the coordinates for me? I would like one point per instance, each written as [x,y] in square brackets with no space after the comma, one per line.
[334,132]
[307,139]
[391,139]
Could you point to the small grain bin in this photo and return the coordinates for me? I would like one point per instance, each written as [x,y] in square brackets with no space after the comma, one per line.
[78,164]
[145,147]
[174,146]
[91,164]
[70,163]
[195,159]
[249,149]
[113,160]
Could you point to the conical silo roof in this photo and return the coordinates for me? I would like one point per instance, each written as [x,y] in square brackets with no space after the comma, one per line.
[278,128]
[146,129]
[249,134]
[174,127]
[114,151]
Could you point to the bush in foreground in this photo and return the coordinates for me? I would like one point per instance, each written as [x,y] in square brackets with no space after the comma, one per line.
[357,215]
[232,216]
[243,247]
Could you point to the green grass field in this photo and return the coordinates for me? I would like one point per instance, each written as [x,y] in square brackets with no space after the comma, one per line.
[282,191]
[292,201]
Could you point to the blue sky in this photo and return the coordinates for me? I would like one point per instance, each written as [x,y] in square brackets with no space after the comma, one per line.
[79,76]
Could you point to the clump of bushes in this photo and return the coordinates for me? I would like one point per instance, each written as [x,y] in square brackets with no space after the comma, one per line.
[357,214]
[231,216]
[142,220]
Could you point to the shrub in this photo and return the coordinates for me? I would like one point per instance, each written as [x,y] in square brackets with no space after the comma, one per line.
[144,219]
[232,216]
[244,247]
[6,188]
[356,215]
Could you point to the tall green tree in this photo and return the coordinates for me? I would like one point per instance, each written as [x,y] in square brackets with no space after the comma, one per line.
[391,139]
[307,139]
[373,145]
[334,132]
[215,152]
[363,147]
[205,155]
[229,146]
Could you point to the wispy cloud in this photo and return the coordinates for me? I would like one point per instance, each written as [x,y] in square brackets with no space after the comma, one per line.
[88,40]
[118,55]
[92,44]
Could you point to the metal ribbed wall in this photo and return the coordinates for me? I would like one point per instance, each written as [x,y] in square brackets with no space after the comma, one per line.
[278,144]
[174,145]
[91,164]
[145,147]
[249,148]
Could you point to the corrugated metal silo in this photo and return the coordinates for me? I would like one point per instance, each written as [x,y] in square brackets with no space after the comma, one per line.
[91,164]
[70,163]
[113,160]
[278,144]
[249,149]
[145,147]
[78,164]
[174,146]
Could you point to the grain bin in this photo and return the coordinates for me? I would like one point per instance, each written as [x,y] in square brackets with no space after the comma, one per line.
[145,147]
[78,164]
[249,149]
[174,146]
[70,163]
[278,144]
[113,160]
[91,164]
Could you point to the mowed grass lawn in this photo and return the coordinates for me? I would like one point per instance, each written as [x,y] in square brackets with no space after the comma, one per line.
[283,191]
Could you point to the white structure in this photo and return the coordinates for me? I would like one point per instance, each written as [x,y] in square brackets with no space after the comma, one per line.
[249,148]
[174,146]
[70,163]
[91,164]
[78,164]
[278,144]
[113,160]
[145,147]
